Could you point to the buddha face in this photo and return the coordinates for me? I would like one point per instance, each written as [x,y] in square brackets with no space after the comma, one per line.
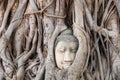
[65,52]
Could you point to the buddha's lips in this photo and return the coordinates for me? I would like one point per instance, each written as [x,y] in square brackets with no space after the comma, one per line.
[66,65]
[67,62]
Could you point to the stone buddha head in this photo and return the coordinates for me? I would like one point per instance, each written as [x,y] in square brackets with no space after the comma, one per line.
[66,46]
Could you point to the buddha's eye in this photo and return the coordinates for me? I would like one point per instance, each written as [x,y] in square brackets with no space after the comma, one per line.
[73,50]
[62,50]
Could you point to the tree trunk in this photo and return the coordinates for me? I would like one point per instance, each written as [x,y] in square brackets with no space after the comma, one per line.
[29,30]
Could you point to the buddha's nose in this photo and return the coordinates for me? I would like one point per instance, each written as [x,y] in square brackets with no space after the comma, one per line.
[67,57]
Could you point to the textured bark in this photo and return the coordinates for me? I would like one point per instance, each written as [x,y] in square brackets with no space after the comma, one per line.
[117,3]
[29,29]
[9,6]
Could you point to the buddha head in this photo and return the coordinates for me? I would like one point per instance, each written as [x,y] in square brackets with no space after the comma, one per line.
[66,46]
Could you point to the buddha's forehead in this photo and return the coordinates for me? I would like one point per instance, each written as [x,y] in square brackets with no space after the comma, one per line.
[66,39]
[69,44]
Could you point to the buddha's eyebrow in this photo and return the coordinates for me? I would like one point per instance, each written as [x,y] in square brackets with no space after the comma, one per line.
[61,47]
[73,49]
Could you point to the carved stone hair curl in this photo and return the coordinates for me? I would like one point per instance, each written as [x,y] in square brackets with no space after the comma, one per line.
[66,35]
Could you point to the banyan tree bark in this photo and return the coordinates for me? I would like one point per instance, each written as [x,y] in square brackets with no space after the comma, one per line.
[60,25]
[82,55]
[117,3]
[6,14]
[77,68]
[2,10]
[29,29]
[4,41]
